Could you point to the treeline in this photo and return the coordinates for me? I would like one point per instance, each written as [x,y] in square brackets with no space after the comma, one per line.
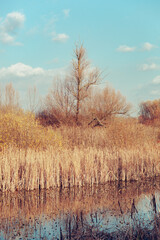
[77,98]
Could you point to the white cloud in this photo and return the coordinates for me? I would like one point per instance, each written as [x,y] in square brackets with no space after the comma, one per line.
[13,21]
[156,80]
[66,12]
[152,66]
[23,73]
[61,37]
[9,27]
[145,47]
[20,70]
[125,48]
[24,77]
[148,46]
[6,38]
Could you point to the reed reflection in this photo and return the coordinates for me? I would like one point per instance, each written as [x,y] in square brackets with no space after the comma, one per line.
[90,213]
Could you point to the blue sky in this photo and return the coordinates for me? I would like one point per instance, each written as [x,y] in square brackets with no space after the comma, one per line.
[122,38]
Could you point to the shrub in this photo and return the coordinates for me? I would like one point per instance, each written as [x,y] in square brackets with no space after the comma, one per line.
[47,119]
[21,129]
[149,112]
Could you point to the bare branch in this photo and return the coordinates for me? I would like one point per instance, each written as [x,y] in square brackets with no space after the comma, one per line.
[82,77]
[106,102]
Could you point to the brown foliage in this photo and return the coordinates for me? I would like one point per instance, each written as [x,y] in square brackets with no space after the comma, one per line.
[47,119]
[150,112]
[59,102]
[104,103]
[99,103]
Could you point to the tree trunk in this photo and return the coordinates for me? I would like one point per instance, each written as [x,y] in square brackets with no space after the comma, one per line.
[78,102]
[78,90]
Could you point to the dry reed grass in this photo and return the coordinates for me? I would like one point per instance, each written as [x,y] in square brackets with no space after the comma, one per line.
[119,133]
[124,150]
[21,169]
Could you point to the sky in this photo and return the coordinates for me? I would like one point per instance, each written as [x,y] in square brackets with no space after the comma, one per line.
[122,38]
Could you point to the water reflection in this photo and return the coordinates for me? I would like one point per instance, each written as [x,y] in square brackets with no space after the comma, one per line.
[129,211]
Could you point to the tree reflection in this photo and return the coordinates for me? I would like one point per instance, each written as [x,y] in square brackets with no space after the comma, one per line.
[101,212]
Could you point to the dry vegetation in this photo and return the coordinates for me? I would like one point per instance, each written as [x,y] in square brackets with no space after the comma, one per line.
[36,155]
[125,150]
[21,130]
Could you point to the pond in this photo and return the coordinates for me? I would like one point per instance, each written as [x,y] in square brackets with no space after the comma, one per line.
[111,211]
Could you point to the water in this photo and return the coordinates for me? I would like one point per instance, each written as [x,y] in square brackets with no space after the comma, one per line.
[125,211]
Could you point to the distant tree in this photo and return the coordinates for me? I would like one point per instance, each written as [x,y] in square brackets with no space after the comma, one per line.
[33,99]
[1,95]
[11,97]
[82,77]
[59,101]
[104,103]
[149,111]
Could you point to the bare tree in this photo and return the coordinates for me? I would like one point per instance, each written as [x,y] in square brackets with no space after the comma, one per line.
[1,103]
[11,98]
[59,100]
[106,102]
[33,99]
[82,77]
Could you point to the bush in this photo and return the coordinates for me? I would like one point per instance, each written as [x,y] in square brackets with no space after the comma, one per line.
[48,119]
[149,112]
[21,129]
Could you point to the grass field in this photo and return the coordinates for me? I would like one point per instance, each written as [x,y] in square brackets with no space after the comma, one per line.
[76,156]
